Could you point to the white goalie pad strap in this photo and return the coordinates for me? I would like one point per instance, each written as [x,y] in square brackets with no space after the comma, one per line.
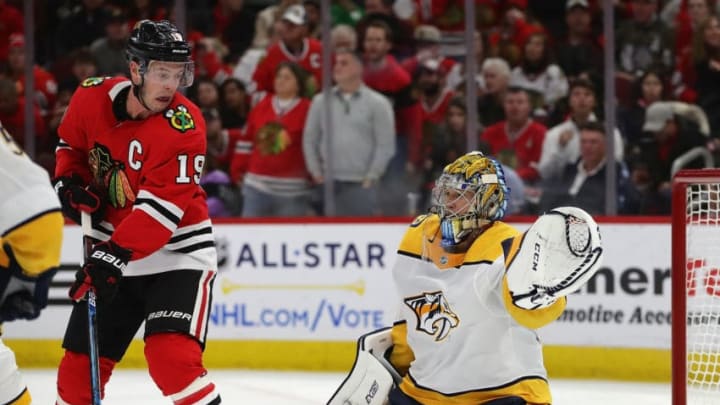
[559,253]
[371,378]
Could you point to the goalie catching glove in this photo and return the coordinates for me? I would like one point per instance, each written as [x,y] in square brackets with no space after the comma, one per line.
[102,272]
[557,255]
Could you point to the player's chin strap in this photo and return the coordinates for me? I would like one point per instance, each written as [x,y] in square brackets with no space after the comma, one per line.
[372,376]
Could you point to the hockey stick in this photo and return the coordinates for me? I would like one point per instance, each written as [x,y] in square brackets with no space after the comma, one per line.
[92,316]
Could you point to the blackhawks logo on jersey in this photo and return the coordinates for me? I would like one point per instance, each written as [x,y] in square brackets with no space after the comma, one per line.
[110,175]
[92,81]
[180,118]
[433,314]
[272,139]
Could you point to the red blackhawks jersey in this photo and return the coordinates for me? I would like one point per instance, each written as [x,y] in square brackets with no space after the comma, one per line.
[271,144]
[150,170]
[310,59]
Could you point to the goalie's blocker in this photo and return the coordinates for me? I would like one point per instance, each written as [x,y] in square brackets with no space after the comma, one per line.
[557,255]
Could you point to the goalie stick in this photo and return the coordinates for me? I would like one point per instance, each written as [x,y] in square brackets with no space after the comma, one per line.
[93,346]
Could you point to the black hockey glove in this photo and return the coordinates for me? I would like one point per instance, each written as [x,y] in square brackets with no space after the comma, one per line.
[22,296]
[74,198]
[102,272]
[29,299]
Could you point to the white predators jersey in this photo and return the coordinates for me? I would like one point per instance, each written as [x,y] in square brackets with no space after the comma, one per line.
[463,339]
[25,186]
[30,221]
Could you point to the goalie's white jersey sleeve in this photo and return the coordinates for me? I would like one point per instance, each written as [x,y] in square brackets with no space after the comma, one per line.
[25,186]
[467,339]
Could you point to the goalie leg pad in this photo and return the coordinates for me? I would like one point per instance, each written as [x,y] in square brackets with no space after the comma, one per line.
[11,382]
[372,376]
[367,384]
[175,364]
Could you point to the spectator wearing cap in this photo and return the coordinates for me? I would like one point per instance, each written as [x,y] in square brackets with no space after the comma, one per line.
[562,142]
[673,136]
[519,134]
[403,43]
[579,52]
[109,51]
[427,43]
[363,138]
[11,22]
[45,85]
[434,96]
[234,26]
[265,23]
[294,46]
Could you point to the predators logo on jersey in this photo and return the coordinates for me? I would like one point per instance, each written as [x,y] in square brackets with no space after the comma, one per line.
[110,175]
[433,314]
[180,118]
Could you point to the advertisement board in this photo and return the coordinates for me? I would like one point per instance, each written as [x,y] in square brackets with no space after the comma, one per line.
[333,282]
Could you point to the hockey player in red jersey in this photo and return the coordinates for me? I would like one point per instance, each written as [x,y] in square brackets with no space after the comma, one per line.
[131,153]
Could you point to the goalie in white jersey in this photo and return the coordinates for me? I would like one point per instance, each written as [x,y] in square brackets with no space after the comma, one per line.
[31,227]
[473,290]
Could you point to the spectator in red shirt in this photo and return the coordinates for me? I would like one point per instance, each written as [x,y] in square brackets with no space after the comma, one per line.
[12,115]
[518,133]
[508,39]
[427,42]
[294,46]
[434,96]
[45,85]
[11,22]
[382,73]
[269,160]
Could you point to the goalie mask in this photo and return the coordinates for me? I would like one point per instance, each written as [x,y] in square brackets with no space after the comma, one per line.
[160,41]
[470,193]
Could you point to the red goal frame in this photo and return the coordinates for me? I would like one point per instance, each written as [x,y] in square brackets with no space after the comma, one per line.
[679,275]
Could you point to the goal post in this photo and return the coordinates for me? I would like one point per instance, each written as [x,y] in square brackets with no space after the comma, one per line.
[696,287]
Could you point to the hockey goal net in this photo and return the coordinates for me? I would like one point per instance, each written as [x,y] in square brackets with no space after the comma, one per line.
[696,287]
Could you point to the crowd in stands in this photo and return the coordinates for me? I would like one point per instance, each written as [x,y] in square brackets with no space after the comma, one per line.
[398,103]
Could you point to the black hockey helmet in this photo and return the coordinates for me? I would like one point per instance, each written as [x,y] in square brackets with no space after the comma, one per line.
[160,41]
[157,40]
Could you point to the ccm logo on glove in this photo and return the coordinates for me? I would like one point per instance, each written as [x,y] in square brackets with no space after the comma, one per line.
[107,257]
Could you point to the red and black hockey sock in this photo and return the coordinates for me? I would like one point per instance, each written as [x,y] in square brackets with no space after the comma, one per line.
[74,378]
[175,363]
